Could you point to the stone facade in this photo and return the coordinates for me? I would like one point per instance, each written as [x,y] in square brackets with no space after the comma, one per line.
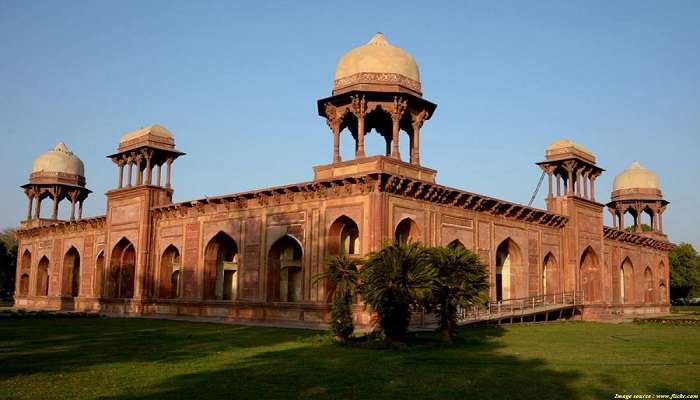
[251,257]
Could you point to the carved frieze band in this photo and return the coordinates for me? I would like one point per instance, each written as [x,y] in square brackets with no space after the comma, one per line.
[377,77]
[60,227]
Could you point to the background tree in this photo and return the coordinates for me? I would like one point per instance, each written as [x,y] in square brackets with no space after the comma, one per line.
[460,280]
[684,270]
[343,274]
[393,279]
[8,263]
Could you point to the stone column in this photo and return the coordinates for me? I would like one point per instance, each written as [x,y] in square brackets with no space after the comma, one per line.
[359,108]
[570,182]
[72,210]
[130,161]
[417,124]
[585,178]
[139,171]
[549,181]
[37,212]
[167,172]
[120,174]
[558,185]
[592,182]
[54,212]
[80,210]
[149,172]
[336,144]
[158,174]
[31,204]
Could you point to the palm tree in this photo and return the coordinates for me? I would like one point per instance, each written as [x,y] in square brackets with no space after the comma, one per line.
[393,279]
[343,274]
[460,280]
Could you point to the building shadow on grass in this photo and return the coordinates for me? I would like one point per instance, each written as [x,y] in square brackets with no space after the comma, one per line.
[477,368]
[32,346]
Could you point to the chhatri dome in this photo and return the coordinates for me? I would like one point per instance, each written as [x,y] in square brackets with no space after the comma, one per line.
[377,66]
[152,130]
[59,160]
[636,177]
[377,55]
[563,144]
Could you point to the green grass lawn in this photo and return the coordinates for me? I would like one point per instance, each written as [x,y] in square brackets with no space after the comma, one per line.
[148,359]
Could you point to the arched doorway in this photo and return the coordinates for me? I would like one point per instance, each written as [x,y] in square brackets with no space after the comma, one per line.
[71,273]
[26,260]
[508,261]
[590,276]
[344,237]
[627,282]
[648,286]
[220,268]
[123,270]
[99,274]
[407,230]
[284,279]
[550,275]
[170,273]
[42,277]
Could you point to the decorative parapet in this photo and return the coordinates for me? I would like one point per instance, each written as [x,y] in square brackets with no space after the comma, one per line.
[371,182]
[86,224]
[636,239]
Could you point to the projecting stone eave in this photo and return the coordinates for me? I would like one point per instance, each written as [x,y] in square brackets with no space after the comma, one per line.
[49,226]
[371,182]
[610,233]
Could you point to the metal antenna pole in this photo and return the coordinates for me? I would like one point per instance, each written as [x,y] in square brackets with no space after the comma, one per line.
[537,189]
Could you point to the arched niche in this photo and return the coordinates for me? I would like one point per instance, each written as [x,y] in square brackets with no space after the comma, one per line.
[590,276]
[648,286]
[122,270]
[71,273]
[663,291]
[170,273]
[284,270]
[221,268]
[407,230]
[98,283]
[550,275]
[627,282]
[344,237]
[508,261]
[24,285]
[42,277]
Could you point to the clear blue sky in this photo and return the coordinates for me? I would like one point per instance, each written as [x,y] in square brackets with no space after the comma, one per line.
[237,82]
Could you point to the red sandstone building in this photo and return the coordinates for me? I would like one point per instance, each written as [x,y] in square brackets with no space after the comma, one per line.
[251,257]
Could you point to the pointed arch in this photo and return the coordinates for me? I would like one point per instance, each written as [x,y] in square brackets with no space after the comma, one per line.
[627,282]
[42,277]
[344,236]
[407,230]
[26,262]
[508,260]
[550,274]
[99,274]
[170,273]
[648,286]
[457,243]
[221,268]
[284,270]
[590,276]
[122,270]
[70,285]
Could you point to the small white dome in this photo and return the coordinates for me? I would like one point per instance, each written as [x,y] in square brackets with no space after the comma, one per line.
[378,56]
